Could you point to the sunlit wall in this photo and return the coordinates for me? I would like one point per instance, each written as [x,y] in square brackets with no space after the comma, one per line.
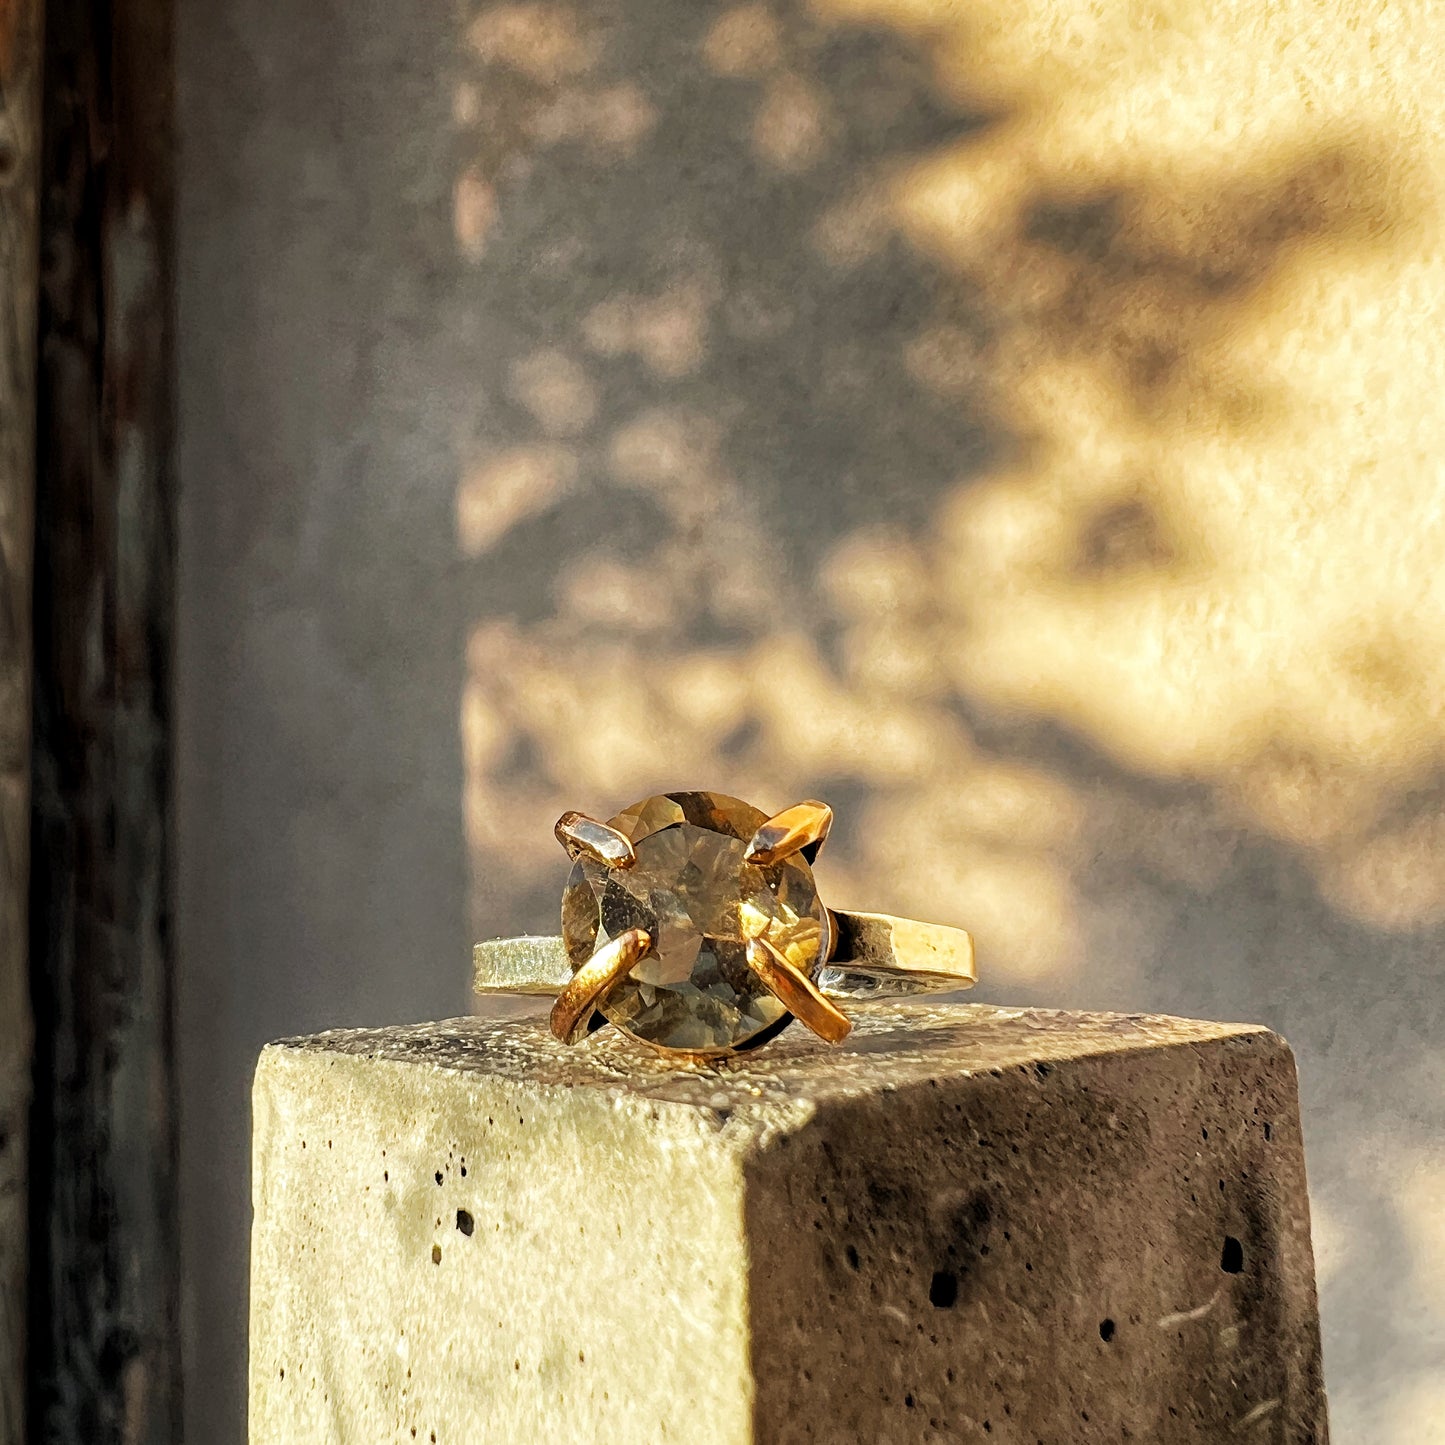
[1017,422]
[1021,423]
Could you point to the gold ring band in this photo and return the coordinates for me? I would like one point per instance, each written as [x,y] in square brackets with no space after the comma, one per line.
[874,956]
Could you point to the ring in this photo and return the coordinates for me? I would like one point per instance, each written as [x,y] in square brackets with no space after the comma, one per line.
[692,922]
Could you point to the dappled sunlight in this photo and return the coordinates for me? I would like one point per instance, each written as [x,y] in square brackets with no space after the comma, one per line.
[547,43]
[474,208]
[612,118]
[1238,368]
[792,123]
[534,94]
[744,41]
[1234,367]
[1018,424]
[1190,294]
[668,331]
[501,491]
[602,719]
[556,390]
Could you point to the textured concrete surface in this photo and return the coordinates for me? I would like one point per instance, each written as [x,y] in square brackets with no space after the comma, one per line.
[964,1224]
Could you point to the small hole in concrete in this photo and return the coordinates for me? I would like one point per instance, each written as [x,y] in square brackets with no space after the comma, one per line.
[465,1222]
[1268,1133]
[1232,1260]
[1106,1330]
[852,1257]
[943,1289]
[436,1254]
[439,1176]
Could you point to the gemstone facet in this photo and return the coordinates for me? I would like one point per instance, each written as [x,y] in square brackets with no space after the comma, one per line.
[700,900]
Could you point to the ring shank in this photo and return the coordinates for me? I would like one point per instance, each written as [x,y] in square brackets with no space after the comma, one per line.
[874,956]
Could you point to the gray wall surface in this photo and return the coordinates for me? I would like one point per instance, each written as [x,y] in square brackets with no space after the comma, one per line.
[579,401]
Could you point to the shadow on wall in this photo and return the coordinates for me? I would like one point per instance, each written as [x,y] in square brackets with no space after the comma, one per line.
[1022,434]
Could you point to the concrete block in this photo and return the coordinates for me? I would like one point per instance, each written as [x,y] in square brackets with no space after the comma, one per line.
[964,1224]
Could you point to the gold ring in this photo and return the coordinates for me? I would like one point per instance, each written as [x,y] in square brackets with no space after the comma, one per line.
[692,922]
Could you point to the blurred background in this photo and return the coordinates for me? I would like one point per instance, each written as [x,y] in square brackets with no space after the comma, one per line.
[1017,423]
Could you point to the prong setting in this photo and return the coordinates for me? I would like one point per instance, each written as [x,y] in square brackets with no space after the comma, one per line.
[573,1012]
[797,992]
[691,888]
[803,828]
[585,837]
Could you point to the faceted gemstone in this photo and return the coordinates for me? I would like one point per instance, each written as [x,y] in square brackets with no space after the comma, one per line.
[692,891]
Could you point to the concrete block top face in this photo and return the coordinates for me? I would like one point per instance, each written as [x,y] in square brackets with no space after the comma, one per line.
[892,1047]
[964,1223]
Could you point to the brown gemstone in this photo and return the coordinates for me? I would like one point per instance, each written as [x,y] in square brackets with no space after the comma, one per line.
[700,901]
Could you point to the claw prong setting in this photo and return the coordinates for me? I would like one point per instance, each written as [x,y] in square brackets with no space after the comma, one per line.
[585,837]
[803,828]
[797,992]
[572,1014]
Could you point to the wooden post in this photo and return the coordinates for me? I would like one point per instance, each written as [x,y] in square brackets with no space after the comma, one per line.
[20,80]
[104,1336]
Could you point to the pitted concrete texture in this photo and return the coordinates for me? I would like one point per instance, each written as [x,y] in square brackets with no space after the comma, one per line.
[965,1223]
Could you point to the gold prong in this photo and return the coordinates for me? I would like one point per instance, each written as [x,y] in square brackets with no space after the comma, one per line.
[572,1013]
[578,833]
[803,828]
[797,992]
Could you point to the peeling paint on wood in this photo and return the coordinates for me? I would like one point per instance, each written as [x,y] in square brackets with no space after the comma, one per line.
[20,80]
[105,1357]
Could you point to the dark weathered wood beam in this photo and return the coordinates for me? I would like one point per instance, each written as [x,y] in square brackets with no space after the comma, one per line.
[20,80]
[104,1336]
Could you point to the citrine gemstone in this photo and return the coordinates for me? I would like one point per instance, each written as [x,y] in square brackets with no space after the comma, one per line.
[700,901]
